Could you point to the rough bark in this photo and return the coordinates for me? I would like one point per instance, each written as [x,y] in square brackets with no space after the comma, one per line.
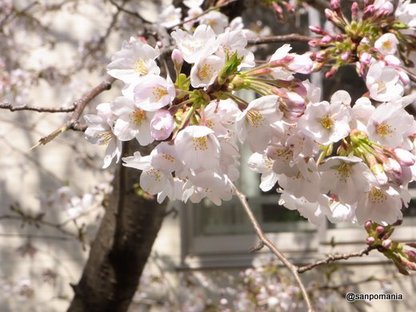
[120,249]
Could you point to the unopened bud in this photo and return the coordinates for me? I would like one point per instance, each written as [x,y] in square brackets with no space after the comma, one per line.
[380,229]
[386,243]
[345,56]
[370,240]
[404,157]
[411,255]
[326,39]
[335,4]
[368,226]
[354,10]
[317,30]
[330,73]
[177,57]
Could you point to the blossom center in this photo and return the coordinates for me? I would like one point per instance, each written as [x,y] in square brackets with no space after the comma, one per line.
[137,116]
[159,92]
[383,129]
[381,86]
[255,118]
[168,157]
[376,195]
[204,71]
[200,143]
[344,171]
[155,174]
[140,67]
[327,122]
[105,137]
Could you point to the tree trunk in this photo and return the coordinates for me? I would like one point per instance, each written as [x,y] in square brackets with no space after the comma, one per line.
[121,247]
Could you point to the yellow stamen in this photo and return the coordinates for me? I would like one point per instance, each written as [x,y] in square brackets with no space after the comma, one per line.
[200,143]
[141,68]
[327,122]
[255,118]
[383,129]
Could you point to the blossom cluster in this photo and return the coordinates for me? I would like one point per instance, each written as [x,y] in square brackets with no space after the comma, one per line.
[379,39]
[334,160]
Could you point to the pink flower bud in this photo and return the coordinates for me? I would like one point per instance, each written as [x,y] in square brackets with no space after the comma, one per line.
[345,56]
[317,30]
[354,10]
[386,243]
[368,225]
[404,157]
[326,39]
[161,125]
[380,229]
[370,240]
[335,5]
[411,255]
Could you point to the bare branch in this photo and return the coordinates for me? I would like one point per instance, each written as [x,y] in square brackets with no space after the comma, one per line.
[267,242]
[280,38]
[80,105]
[335,257]
[12,108]
[133,13]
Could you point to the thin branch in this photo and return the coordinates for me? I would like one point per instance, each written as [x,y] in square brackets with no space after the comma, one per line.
[280,38]
[133,13]
[80,105]
[267,242]
[38,109]
[335,257]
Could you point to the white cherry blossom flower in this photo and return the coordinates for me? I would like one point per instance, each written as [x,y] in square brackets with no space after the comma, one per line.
[211,185]
[325,123]
[152,180]
[255,123]
[313,211]
[165,158]
[234,41]
[131,122]
[264,165]
[135,60]
[162,125]
[384,82]
[387,44]
[345,177]
[99,131]
[198,147]
[201,43]
[390,125]
[304,183]
[154,92]
[216,20]
[206,70]
[381,203]
[170,16]
[220,115]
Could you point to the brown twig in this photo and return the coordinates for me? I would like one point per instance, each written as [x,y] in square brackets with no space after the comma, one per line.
[12,108]
[280,38]
[79,105]
[335,257]
[267,242]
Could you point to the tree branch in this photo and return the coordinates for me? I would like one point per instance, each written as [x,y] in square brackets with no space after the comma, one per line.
[335,257]
[280,38]
[38,109]
[266,241]
[79,105]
